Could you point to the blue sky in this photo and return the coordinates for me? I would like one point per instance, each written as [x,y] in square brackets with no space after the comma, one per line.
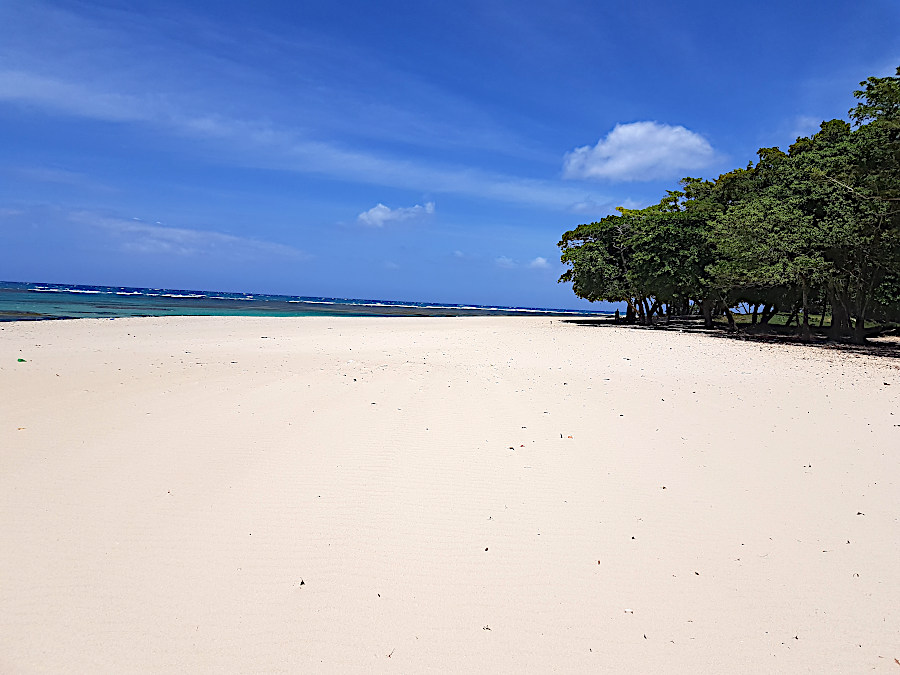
[410,151]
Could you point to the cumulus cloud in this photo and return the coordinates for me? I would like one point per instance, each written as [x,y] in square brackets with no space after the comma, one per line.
[539,263]
[505,262]
[380,214]
[640,151]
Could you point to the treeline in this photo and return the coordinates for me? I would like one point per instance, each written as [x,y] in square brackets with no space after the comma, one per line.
[813,231]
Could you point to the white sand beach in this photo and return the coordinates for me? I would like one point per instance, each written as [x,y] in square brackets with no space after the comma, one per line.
[418,495]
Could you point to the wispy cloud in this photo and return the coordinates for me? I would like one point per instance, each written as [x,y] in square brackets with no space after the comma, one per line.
[72,98]
[57,176]
[379,215]
[589,206]
[804,125]
[263,144]
[507,263]
[640,151]
[137,236]
[96,64]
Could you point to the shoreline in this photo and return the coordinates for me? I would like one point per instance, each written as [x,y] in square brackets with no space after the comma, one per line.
[491,494]
[36,301]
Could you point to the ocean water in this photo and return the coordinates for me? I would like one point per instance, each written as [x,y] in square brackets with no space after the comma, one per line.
[38,301]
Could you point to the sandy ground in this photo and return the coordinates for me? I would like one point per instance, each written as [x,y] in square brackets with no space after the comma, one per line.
[442,495]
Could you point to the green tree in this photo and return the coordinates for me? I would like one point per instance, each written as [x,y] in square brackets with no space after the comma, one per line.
[768,238]
[648,258]
[857,201]
[598,255]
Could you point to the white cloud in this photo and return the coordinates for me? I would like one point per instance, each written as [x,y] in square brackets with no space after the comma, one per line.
[57,176]
[640,151]
[261,143]
[380,214]
[507,263]
[72,98]
[137,236]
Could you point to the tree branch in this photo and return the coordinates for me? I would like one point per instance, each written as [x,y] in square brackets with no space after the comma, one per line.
[857,194]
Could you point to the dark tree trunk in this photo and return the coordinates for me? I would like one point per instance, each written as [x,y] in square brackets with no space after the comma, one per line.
[795,311]
[706,308]
[732,326]
[755,310]
[862,302]
[859,331]
[805,332]
[840,315]
[629,313]
[649,311]
[768,312]
[859,327]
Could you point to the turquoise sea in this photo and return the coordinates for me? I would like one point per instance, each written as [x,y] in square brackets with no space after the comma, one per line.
[37,301]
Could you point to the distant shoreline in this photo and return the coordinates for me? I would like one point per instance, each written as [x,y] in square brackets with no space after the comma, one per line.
[47,301]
